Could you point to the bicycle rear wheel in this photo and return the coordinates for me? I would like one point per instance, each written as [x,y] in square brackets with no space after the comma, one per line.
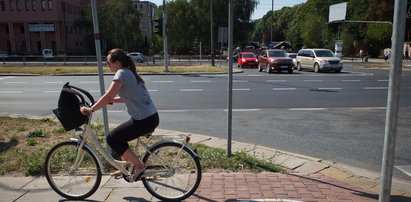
[177,177]
[67,179]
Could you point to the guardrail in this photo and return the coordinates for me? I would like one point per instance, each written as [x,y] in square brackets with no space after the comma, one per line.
[92,60]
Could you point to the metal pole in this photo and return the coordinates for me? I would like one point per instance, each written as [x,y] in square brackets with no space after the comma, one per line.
[212,33]
[230,74]
[99,62]
[272,17]
[393,100]
[165,37]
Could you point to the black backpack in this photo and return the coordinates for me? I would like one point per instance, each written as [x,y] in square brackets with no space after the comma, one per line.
[68,111]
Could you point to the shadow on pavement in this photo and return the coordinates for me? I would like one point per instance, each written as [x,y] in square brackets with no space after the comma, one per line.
[7,145]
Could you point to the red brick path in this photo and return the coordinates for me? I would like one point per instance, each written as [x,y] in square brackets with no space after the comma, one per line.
[272,187]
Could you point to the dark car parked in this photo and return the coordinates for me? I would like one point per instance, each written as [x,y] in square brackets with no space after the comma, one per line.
[275,60]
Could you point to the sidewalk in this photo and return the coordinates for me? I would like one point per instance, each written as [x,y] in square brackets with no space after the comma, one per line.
[309,179]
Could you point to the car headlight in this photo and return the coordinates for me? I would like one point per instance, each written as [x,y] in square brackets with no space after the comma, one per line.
[273,61]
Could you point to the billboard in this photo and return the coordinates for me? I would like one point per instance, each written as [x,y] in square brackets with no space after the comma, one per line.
[337,12]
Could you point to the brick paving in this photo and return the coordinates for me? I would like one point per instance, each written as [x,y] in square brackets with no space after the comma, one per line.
[277,187]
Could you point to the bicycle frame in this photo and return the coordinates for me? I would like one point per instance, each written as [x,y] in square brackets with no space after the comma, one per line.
[88,135]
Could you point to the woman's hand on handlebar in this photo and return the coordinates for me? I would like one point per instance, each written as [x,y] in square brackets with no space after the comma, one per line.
[86,110]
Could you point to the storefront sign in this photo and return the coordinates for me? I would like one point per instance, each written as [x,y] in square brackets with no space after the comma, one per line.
[41,27]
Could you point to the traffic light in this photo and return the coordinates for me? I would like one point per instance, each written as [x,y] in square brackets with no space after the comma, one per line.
[158,26]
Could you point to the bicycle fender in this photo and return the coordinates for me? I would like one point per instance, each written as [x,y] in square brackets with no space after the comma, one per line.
[91,150]
[177,142]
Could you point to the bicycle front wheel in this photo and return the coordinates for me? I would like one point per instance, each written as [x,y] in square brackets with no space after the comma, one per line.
[173,171]
[70,179]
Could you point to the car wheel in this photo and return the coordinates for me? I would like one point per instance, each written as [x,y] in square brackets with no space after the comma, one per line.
[317,68]
[290,71]
[259,67]
[299,68]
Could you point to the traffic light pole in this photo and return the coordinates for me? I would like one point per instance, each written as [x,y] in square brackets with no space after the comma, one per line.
[165,37]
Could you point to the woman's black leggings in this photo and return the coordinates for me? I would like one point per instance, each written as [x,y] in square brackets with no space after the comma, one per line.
[118,138]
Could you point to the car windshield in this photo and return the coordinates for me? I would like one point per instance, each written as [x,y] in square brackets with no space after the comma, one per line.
[250,55]
[277,54]
[324,53]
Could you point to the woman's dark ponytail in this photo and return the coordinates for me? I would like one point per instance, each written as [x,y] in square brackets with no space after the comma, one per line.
[126,61]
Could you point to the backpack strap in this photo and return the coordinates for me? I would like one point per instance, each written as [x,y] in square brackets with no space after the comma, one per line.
[83,91]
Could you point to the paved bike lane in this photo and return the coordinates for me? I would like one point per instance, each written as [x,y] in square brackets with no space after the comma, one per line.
[307,179]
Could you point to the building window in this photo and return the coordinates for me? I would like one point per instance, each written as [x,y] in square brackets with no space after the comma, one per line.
[50,4]
[43,4]
[2,6]
[18,2]
[12,5]
[34,5]
[7,29]
[63,7]
[28,4]
[22,29]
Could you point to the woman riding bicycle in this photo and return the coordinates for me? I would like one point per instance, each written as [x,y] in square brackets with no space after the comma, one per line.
[131,90]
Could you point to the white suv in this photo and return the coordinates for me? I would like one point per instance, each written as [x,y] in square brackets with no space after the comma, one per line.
[138,57]
[318,59]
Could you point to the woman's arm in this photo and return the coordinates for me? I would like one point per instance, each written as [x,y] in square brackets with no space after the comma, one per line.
[108,97]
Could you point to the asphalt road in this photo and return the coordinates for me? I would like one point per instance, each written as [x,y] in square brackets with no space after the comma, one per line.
[336,117]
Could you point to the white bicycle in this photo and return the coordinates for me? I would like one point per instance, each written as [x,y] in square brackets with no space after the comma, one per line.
[74,170]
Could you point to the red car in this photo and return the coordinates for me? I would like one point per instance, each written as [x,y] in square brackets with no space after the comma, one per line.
[247,59]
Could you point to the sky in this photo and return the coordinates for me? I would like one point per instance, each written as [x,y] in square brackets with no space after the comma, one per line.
[262,8]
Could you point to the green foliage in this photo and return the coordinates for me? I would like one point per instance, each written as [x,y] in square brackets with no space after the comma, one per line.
[212,158]
[21,129]
[36,133]
[46,120]
[59,130]
[33,164]
[31,142]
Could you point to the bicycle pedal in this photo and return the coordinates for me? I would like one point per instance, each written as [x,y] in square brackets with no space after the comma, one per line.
[118,177]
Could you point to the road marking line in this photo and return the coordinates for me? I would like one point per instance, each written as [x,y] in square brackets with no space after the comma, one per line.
[173,110]
[306,109]
[7,77]
[200,81]
[152,90]
[11,92]
[241,89]
[162,81]
[276,80]
[15,82]
[244,110]
[254,75]
[51,91]
[191,90]
[240,81]
[115,111]
[284,89]
[313,80]
[350,80]
[329,88]
[375,88]
[94,91]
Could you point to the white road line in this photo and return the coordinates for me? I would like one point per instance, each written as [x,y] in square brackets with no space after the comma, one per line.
[191,90]
[306,109]
[11,92]
[162,81]
[152,90]
[53,82]
[7,77]
[94,91]
[276,80]
[200,81]
[375,88]
[243,89]
[244,110]
[171,110]
[240,81]
[313,80]
[350,80]
[51,91]
[329,88]
[254,75]
[88,82]
[15,82]
[284,88]
[115,111]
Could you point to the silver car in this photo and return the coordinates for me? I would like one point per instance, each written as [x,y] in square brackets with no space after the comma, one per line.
[319,60]
[138,57]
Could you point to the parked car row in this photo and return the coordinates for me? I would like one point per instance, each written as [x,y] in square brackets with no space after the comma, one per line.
[277,60]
